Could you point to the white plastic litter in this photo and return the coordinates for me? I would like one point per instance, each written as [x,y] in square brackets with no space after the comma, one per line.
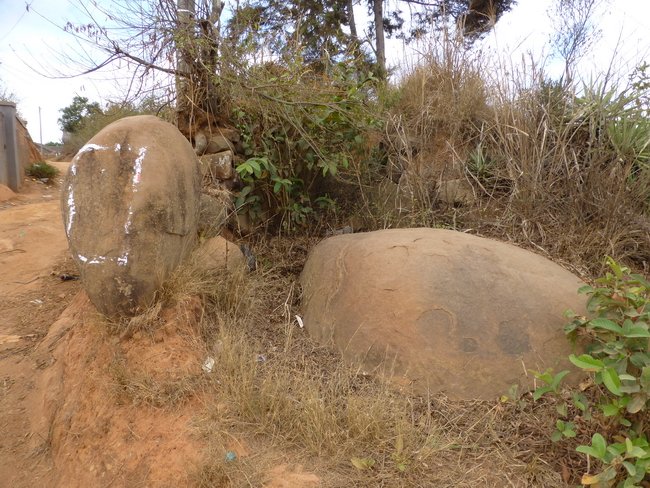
[208,364]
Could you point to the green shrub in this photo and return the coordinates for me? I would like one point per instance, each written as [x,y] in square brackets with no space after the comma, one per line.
[299,131]
[617,357]
[41,170]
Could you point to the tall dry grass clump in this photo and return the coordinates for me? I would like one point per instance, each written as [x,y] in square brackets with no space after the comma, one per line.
[558,168]
[442,97]
[436,112]
[567,174]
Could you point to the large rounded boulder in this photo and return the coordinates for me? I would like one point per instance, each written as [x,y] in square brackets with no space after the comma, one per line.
[130,209]
[440,310]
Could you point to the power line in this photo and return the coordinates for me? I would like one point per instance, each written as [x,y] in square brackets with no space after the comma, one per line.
[27,6]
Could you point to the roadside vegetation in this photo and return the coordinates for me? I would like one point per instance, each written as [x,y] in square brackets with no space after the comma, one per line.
[559,167]
[42,171]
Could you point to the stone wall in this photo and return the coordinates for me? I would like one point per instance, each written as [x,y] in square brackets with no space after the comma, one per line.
[17,150]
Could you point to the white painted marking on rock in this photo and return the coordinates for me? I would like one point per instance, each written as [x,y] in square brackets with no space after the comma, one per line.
[137,168]
[71,211]
[94,259]
[129,219]
[91,147]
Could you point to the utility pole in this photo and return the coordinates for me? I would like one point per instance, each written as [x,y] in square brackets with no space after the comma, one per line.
[40,128]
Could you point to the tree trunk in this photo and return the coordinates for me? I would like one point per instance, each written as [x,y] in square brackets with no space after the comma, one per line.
[185,13]
[380,50]
[353,24]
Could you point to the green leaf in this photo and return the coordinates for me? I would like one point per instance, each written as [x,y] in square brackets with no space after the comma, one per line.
[626,377]
[586,289]
[610,409]
[598,448]
[586,362]
[607,475]
[641,360]
[558,378]
[637,452]
[605,324]
[580,401]
[637,403]
[537,394]
[556,436]
[637,331]
[631,469]
[612,381]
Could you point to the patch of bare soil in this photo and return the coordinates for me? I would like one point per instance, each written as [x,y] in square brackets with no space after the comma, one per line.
[33,257]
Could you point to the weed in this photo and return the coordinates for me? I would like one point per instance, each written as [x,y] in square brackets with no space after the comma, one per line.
[42,170]
[617,357]
[299,131]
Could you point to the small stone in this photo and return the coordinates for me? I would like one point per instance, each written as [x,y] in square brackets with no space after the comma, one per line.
[214,213]
[219,165]
[456,191]
[219,254]
[200,143]
[218,143]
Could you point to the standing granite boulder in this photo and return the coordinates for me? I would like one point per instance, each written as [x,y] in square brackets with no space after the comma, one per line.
[441,310]
[130,209]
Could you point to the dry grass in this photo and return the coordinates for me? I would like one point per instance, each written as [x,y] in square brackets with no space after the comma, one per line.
[547,169]
[140,388]
[558,185]
[281,392]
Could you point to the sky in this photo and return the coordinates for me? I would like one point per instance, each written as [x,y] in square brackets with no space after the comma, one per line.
[33,46]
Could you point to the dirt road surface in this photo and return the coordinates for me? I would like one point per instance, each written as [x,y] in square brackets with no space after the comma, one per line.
[33,256]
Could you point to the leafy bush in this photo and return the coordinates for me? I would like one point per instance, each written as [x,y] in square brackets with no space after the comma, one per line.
[299,130]
[617,357]
[41,170]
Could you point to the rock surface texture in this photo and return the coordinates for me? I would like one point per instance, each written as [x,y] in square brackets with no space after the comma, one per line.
[217,254]
[441,310]
[130,208]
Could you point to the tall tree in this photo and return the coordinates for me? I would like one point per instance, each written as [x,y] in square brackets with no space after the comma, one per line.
[380,47]
[473,18]
[73,116]
[314,27]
